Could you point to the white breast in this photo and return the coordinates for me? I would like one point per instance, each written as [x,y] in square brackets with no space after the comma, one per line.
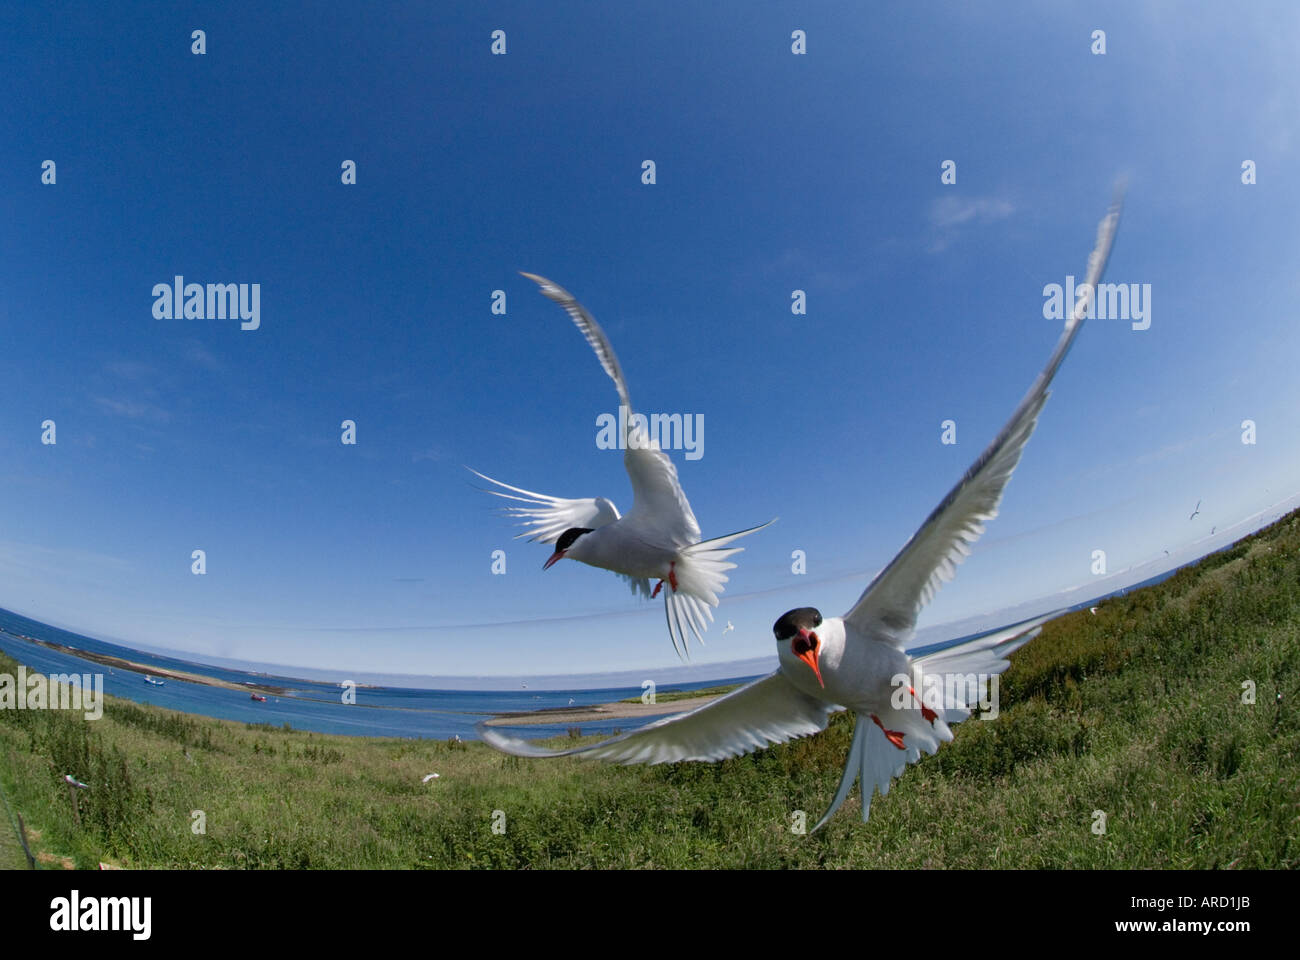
[624,548]
[858,671]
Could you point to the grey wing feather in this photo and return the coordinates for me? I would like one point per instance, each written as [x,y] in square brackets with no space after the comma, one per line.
[545,517]
[892,601]
[656,491]
[590,329]
[759,714]
[640,585]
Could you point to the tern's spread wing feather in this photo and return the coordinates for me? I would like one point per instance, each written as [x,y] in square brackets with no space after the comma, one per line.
[874,761]
[590,329]
[756,716]
[639,585]
[545,518]
[657,494]
[891,602]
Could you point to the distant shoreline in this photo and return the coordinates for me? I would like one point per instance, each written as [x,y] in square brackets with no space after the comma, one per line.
[120,663]
[620,710]
[599,711]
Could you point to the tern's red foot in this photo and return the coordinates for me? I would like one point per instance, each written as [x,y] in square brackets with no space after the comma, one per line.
[672,580]
[894,736]
[926,712]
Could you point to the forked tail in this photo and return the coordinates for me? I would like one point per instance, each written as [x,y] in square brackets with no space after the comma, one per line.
[963,671]
[700,572]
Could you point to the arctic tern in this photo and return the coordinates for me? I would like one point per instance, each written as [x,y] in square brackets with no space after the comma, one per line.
[658,539]
[858,662]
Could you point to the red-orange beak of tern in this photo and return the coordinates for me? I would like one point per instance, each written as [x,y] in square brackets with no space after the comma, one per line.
[557,555]
[805,648]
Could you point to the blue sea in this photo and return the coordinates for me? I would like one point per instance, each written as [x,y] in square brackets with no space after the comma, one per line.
[379,711]
[312,705]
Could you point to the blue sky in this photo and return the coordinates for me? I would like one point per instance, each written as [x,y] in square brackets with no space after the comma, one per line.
[775,172]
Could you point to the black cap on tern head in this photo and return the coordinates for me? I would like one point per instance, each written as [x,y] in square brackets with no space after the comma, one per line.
[807,618]
[568,536]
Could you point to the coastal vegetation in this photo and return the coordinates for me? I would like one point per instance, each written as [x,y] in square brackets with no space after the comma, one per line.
[1159,732]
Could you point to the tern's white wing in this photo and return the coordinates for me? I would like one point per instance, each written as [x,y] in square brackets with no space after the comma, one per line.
[757,715]
[546,517]
[657,495]
[590,329]
[890,604]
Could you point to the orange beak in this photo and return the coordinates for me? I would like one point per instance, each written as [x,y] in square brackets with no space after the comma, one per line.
[557,555]
[809,654]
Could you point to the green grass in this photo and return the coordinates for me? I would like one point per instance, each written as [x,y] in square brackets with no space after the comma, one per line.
[1136,711]
[672,696]
[11,854]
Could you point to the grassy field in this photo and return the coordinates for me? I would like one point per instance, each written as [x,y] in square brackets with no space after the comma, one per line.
[11,853]
[1136,712]
[672,696]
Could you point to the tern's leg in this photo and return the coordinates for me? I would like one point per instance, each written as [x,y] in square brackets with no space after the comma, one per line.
[925,711]
[672,580]
[894,736]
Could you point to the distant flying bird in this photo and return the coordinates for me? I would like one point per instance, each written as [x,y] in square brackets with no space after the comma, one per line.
[1092,610]
[728,628]
[857,662]
[1212,529]
[1196,512]
[659,538]
[571,701]
[428,777]
[70,779]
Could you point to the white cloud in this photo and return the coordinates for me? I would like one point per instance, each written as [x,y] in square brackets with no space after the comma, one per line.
[950,213]
[134,409]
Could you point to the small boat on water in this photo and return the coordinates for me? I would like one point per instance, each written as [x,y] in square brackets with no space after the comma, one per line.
[155,681]
[258,697]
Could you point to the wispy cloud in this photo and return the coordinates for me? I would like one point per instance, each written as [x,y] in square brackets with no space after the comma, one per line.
[814,271]
[53,563]
[133,409]
[129,369]
[128,388]
[434,453]
[197,353]
[1171,449]
[949,214]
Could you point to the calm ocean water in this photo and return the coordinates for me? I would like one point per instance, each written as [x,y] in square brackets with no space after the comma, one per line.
[311,705]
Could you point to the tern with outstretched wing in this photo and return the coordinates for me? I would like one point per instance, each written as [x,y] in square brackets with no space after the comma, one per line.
[858,662]
[658,539]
